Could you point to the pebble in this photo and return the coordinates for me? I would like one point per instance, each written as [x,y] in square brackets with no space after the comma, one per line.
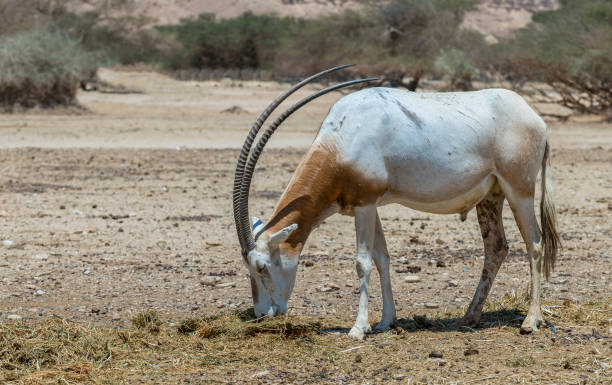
[332,286]
[437,361]
[209,281]
[431,305]
[41,257]
[77,212]
[39,292]
[470,352]
[453,283]
[465,269]
[7,243]
[402,259]
[227,284]
[116,317]
[435,354]
[86,272]
[261,374]
[13,317]
[412,278]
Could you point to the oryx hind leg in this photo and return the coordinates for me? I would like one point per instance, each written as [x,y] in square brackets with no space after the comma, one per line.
[524,214]
[381,259]
[495,249]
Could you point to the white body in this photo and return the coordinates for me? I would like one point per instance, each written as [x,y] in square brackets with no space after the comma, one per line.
[436,152]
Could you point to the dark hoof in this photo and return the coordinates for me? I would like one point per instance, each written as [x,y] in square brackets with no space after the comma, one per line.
[526,330]
[469,322]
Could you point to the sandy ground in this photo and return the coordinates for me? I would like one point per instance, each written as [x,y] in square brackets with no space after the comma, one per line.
[127,207]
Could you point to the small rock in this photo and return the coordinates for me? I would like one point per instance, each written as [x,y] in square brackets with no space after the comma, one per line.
[7,243]
[41,257]
[13,317]
[402,259]
[39,292]
[465,269]
[116,317]
[308,263]
[261,374]
[439,241]
[209,281]
[348,284]
[431,305]
[95,310]
[86,272]
[435,354]
[470,352]
[332,286]
[358,358]
[437,361]
[603,255]
[227,284]
[77,212]
[412,278]
[453,283]
[399,376]
[440,263]
[568,366]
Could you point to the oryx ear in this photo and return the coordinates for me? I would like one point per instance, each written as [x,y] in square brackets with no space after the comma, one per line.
[281,236]
[258,225]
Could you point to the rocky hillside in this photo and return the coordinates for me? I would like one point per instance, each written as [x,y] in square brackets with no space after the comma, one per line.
[492,17]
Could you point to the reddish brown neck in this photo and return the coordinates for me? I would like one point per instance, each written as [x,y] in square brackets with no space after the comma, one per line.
[307,199]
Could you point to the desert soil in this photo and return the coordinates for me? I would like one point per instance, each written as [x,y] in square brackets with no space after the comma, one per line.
[126,206]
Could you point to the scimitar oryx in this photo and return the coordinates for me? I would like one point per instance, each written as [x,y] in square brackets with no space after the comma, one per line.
[440,153]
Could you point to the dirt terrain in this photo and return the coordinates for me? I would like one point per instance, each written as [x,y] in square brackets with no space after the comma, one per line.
[126,206]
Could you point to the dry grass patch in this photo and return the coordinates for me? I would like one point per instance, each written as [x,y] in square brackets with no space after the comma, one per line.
[237,347]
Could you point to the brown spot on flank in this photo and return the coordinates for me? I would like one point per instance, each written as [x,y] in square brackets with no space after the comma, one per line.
[322,184]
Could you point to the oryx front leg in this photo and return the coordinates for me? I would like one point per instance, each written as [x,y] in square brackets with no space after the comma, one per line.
[381,259]
[365,228]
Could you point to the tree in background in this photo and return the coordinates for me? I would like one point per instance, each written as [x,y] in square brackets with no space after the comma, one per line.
[399,39]
[570,50]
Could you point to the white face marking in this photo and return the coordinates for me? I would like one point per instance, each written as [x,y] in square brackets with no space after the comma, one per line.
[272,274]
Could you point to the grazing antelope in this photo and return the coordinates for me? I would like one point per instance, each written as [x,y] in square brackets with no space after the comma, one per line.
[440,153]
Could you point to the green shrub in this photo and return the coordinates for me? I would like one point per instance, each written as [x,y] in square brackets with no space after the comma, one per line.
[452,62]
[247,41]
[42,67]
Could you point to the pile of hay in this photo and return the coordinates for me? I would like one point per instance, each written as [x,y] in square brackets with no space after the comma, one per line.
[244,324]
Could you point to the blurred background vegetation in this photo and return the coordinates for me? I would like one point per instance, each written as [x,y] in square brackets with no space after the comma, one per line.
[46,51]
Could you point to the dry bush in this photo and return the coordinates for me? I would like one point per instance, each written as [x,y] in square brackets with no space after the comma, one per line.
[42,67]
[569,50]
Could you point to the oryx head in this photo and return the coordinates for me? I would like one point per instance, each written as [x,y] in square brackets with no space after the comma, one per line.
[271,271]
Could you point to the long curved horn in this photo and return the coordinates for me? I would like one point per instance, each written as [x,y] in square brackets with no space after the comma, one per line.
[250,167]
[246,147]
